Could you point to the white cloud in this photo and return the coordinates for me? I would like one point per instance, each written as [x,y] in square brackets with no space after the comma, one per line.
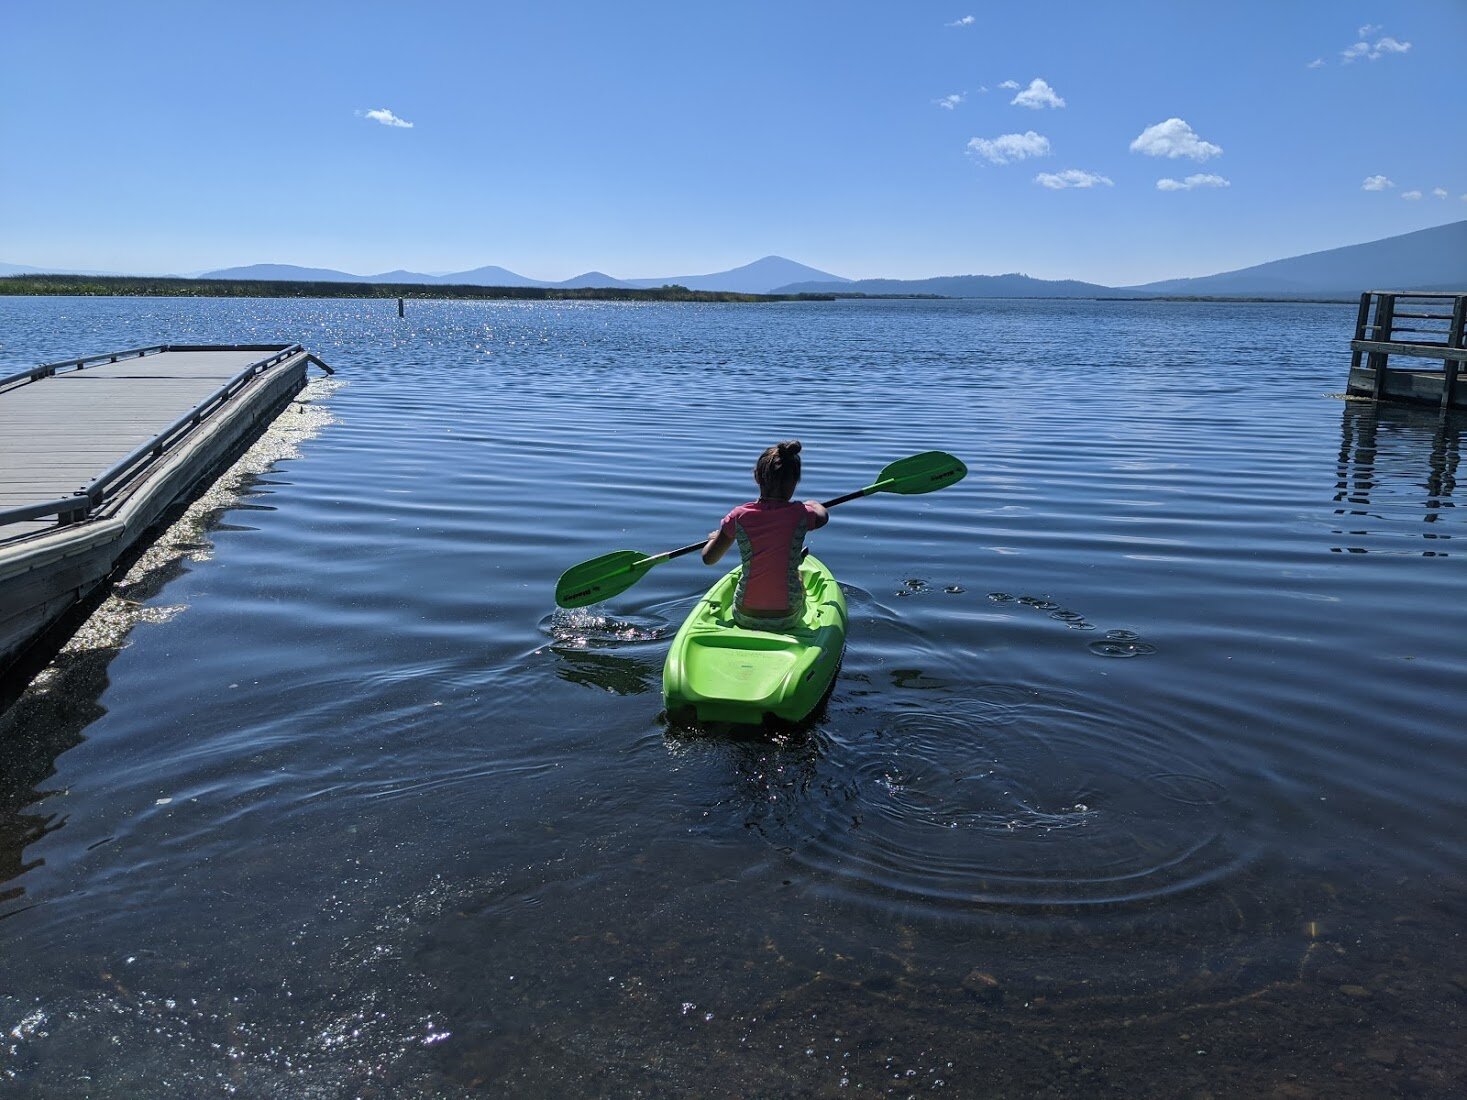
[386,117]
[1007,147]
[1191,183]
[1410,196]
[1439,192]
[965,21]
[1376,183]
[950,102]
[1367,30]
[1037,96]
[1317,63]
[1070,177]
[1009,84]
[1174,138]
[1375,52]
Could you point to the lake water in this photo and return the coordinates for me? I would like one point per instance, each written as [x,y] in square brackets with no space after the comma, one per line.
[1143,775]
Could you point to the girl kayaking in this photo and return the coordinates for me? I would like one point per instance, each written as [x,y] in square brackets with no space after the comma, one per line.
[770,532]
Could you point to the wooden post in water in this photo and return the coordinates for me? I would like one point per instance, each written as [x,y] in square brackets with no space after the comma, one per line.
[1456,338]
[1385,315]
[1360,319]
[399,307]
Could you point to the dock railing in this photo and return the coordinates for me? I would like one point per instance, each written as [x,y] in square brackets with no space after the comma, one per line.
[85,500]
[1416,324]
[50,370]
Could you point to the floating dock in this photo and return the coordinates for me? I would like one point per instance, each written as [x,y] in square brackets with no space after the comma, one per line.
[95,451]
[1420,326]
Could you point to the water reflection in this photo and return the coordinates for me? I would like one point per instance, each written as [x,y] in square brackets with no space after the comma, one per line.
[54,693]
[1395,463]
[619,675]
[41,725]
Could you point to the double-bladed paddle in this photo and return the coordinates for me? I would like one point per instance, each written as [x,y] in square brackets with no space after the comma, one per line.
[601,578]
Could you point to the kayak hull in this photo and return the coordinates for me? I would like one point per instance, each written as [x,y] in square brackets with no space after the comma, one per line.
[718,671]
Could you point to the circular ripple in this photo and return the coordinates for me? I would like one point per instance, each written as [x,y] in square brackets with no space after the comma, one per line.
[1011,802]
[1194,790]
[1121,643]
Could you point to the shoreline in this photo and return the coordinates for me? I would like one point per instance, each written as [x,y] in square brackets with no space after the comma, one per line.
[129,286]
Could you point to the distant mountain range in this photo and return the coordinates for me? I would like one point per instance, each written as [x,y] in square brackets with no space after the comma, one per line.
[1428,259]
[959,286]
[755,278]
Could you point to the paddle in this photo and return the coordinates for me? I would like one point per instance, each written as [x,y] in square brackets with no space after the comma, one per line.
[601,578]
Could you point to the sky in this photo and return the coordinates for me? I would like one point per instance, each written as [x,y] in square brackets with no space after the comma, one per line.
[1116,142]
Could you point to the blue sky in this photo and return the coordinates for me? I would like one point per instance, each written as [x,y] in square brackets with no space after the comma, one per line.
[648,139]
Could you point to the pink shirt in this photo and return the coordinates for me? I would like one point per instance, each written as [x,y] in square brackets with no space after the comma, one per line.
[770,535]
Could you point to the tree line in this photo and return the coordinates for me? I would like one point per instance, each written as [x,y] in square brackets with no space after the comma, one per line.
[162,287]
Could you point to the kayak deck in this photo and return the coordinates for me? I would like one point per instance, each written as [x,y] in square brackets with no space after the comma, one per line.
[718,671]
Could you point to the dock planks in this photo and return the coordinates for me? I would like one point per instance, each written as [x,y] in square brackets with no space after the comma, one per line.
[58,434]
[173,414]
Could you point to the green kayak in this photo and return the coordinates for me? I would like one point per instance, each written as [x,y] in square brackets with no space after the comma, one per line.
[717,671]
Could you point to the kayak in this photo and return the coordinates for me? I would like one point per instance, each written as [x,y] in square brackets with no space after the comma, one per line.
[718,671]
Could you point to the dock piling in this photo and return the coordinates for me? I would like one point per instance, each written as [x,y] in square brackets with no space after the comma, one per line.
[1456,338]
[1411,324]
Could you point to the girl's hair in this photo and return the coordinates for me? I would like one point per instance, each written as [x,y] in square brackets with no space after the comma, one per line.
[778,469]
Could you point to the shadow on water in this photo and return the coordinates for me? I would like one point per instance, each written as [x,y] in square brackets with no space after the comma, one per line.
[41,725]
[1393,461]
[55,691]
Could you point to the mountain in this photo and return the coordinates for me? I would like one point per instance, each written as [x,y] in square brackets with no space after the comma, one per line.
[959,286]
[285,272]
[1428,259]
[22,269]
[479,276]
[487,276]
[759,277]
[399,276]
[591,278]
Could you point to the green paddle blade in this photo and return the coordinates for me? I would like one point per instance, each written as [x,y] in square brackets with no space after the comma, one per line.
[601,578]
[923,473]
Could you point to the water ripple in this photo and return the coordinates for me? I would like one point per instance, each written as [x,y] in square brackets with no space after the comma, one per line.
[1008,798]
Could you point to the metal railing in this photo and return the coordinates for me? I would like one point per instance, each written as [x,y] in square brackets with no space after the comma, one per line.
[82,503]
[50,370]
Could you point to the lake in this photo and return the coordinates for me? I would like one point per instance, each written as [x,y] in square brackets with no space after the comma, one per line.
[1143,774]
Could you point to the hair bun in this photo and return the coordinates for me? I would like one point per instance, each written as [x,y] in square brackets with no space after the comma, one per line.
[789,447]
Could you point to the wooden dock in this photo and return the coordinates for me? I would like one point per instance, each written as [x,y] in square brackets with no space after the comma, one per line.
[94,452]
[1419,326]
